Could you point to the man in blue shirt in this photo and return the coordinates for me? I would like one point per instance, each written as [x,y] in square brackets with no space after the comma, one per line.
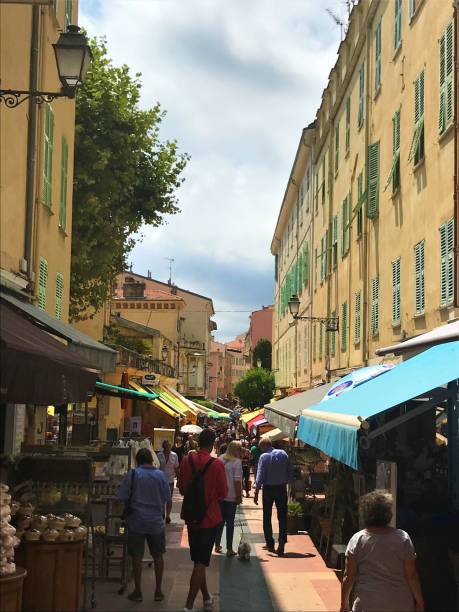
[273,474]
[148,490]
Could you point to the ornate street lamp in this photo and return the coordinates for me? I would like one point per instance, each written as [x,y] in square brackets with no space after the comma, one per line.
[73,57]
[331,323]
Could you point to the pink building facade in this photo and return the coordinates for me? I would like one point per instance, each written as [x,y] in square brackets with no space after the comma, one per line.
[261,326]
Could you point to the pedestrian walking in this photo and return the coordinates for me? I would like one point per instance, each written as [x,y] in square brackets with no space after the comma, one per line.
[179,449]
[380,565]
[273,474]
[255,453]
[190,445]
[169,464]
[245,458]
[145,490]
[203,483]
[233,470]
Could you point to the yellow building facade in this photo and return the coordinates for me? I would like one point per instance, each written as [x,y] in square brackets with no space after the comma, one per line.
[381,233]
[36,161]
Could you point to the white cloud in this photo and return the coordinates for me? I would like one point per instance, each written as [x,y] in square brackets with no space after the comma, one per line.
[239,80]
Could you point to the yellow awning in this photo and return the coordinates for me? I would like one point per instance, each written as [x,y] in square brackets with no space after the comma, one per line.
[162,406]
[245,418]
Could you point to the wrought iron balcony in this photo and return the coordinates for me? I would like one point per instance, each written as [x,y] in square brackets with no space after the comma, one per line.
[131,359]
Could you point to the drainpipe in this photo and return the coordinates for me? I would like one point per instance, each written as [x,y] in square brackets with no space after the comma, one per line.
[456,145]
[31,145]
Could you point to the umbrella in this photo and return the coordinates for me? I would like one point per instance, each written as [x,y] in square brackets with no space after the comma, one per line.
[356,378]
[191,429]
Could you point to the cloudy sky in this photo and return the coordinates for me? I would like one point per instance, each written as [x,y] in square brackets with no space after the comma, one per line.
[239,80]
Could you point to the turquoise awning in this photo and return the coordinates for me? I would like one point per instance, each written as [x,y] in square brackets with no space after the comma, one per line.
[333,426]
[124,392]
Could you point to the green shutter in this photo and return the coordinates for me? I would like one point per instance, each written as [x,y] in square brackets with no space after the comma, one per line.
[411,8]
[419,278]
[358,311]
[348,124]
[361,111]
[378,57]
[306,264]
[63,198]
[336,149]
[374,322]
[323,181]
[48,156]
[347,233]
[447,262]
[396,291]
[398,24]
[360,204]
[446,106]
[344,327]
[333,336]
[394,174]
[335,241]
[67,14]
[59,296]
[373,180]
[417,144]
[42,283]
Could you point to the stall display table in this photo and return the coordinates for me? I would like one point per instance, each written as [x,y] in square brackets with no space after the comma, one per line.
[11,591]
[54,571]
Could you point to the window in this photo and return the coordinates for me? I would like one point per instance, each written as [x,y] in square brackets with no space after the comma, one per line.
[419,278]
[398,24]
[315,267]
[446,114]
[336,149]
[67,14]
[373,180]
[360,115]
[396,291]
[48,156]
[348,125]
[447,262]
[327,247]
[360,204]
[59,296]
[345,225]
[306,264]
[63,198]
[394,175]
[358,310]
[333,336]
[335,241]
[42,283]
[322,258]
[417,144]
[374,323]
[323,181]
[378,57]
[344,327]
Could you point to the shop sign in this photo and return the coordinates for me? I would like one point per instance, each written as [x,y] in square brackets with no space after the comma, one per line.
[148,379]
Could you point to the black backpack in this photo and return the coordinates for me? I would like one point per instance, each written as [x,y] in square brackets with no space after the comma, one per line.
[194,506]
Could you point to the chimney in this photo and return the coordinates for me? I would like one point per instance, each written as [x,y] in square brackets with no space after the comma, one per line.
[133,289]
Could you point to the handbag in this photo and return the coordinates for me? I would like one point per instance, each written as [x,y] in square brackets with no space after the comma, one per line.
[127,504]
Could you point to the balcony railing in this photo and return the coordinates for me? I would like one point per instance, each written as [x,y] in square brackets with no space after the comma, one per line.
[131,359]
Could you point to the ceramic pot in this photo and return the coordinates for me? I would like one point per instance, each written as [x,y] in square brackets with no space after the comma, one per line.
[32,535]
[50,535]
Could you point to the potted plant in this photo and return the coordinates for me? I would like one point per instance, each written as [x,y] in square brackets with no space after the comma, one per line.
[294,515]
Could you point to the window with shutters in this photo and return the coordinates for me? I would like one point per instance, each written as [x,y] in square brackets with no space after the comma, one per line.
[394,174]
[446,109]
[315,267]
[322,258]
[416,154]
[373,181]
[419,278]
[48,156]
[378,57]
[361,111]
[396,291]
[42,283]
[360,204]
[323,182]
[335,241]
[321,339]
[67,14]
[348,125]
[358,315]
[397,24]
[374,320]
[59,296]
[336,149]
[332,336]
[63,198]
[326,255]
[343,327]
[345,225]
[447,263]
[306,264]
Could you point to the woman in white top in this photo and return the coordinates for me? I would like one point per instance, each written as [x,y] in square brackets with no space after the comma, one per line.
[233,469]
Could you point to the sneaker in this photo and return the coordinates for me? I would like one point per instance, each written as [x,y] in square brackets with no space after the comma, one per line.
[135,596]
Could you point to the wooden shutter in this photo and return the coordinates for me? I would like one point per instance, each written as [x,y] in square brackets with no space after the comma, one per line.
[42,283]
[373,180]
[321,339]
[446,105]
[335,241]
[419,278]
[48,156]
[64,171]
[361,111]
[447,262]
[398,24]
[348,124]
[336,149]
[411,8]
[306,264]
[396,291]
[360,204]
[344,327]
[67,14]
[378,57]
[394,174]
[358,307]
[374,323]
[333,335]
[347,233]
[59,296]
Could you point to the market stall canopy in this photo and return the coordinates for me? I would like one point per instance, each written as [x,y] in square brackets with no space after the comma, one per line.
[274,435]
[443,333]
[124,392]
[100,356]
[36,368]
[221,408]
[284,413]
[247,416]
[156,401]
[258,420]
[333,426]
[219,415]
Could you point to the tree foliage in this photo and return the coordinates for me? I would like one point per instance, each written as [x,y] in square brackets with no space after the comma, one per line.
[124,177]
[256,388]
[263,352]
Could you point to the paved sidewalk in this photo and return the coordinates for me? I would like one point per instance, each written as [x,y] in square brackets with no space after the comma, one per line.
[297,582]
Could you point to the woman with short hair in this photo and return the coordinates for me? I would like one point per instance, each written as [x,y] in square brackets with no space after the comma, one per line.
[380,563]
[233,470]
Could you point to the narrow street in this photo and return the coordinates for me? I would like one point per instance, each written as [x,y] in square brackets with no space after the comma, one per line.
[298,582]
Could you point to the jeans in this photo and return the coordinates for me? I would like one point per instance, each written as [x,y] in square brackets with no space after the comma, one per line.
[276,494]
[228,509]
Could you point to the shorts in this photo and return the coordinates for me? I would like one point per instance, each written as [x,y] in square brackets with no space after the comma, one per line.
[156,544]
[201,541]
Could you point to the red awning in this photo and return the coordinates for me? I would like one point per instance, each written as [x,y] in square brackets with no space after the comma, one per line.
[256,420]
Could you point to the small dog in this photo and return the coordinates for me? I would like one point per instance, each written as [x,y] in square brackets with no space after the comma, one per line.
[243,550]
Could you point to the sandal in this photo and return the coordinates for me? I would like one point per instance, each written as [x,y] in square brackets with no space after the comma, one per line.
[159,596]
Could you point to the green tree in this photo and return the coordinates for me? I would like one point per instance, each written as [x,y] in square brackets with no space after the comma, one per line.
[256,388]
[263,352]
[124,177]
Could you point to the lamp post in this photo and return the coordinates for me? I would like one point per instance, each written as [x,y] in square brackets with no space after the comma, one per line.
[73,57]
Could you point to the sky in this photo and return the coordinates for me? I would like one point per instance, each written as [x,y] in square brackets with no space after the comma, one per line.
[239,79]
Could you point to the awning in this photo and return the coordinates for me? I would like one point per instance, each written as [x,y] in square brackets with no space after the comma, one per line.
[35,368]
[443,333]
[124,392]
[221,408]
[257,420]
[245,418]
[170,401]
[161,405]
[274,435]
[100,356]
[284,413]
[333,426]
